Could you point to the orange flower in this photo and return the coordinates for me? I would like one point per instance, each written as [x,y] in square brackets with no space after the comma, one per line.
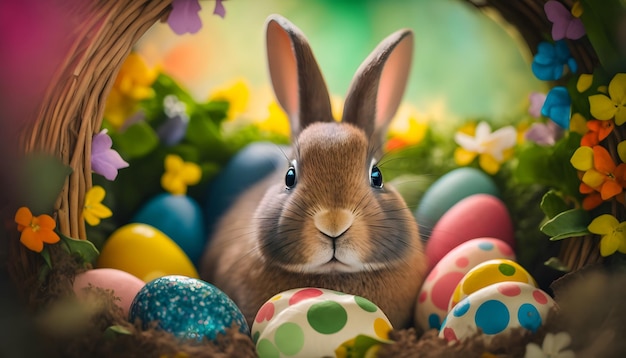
[35,230]
[600,174]
[598,130]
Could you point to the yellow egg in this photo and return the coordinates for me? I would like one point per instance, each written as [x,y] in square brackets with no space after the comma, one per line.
[489,273]
[145,252]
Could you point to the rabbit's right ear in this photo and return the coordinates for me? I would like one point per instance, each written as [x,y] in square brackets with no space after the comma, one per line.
[296,77]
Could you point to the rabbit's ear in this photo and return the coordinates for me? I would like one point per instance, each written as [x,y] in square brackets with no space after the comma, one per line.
[296,77]
[379,83]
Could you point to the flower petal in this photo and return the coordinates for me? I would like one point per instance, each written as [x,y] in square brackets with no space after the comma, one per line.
[184,17]
[592,201]
[488,163]
[609,189]
[584,82]
[582,159]
[578,124]
[23,216]
[593,178]
[46,222]
[48,236]
[30,239]
[94,195]
[620,115]
[191,173]
[621,151]
[601,107]
[602,160]
[603,224]
[90,218]
[463,157]
[617,88]
[468,142]
[608,245]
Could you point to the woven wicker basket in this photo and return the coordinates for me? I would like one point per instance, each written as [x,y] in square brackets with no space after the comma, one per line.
[74,102]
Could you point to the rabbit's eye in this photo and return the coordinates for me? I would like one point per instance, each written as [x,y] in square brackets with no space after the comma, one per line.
[290,177]
[376,177]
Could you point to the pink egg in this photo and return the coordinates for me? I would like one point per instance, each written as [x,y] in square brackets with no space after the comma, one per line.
[437,289]
[479,215]
[124,285]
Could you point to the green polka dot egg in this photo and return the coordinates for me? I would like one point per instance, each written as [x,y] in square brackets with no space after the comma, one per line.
[314,322]
[487,273]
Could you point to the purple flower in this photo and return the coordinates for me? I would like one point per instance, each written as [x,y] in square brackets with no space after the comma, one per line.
[536,102]
[184,17]
[550,61]
[545,134]
[219,9]
[558,106]
[564,24]
[104,160]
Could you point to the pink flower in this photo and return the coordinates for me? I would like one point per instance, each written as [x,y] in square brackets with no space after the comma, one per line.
[564,24]
[184,17]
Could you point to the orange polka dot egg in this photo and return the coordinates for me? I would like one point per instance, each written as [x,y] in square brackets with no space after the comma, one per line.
[314,322]
[487,273]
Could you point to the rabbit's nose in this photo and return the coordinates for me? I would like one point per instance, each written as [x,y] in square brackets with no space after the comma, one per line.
[333,223]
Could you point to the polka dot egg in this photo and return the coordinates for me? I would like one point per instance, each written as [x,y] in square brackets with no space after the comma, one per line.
[313,322]
[488,273]
[437,289]
[188,308]
[495,310]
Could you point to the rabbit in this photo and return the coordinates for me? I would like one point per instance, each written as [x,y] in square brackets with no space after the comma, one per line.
[325,219]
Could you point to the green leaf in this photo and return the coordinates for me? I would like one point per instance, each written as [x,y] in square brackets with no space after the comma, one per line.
[115,330]
[46,256]
[553,204]
[570,223]
[557,264]
[83,248]
[361,346]
[136,141]
[43,177]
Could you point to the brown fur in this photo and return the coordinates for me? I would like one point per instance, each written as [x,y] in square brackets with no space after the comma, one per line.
[333,229]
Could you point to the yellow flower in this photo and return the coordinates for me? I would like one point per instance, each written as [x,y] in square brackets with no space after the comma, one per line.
[584,82]
[277,122]
[94,210]
[133,84]
[237,95]
[179,174]
[614,105]
[578,124]
[613,234]
[36,230]
[410,131]
[492,149]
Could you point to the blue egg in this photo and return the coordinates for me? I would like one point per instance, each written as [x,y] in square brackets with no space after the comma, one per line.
[186,307]
[180,218]
[251,164]
[449,190]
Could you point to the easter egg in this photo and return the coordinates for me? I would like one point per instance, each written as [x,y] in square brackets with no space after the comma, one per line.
[251,164]
[479,215]
[124,285]
[180,218]
[145,252]
[495,310]
[313,322]
[487,273]
[448,190]
[188,308]
[437,289]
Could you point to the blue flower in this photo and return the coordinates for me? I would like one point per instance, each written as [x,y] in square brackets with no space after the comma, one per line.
[558,106]
[550,61]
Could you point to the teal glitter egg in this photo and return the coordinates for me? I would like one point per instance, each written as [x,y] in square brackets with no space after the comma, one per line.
[186,307]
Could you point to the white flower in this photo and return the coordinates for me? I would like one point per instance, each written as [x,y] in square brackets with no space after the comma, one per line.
[552,347]
[485,142]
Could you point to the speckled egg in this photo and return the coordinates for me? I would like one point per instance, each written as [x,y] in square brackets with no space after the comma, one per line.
[448,190]
[179,217]
[487,273]
[496,309]
[313,322]
[124,285]
[188,308]
[437,289]
[145,252]
[478,215]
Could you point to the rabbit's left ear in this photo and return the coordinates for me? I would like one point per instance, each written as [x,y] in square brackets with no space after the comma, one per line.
[379,83]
